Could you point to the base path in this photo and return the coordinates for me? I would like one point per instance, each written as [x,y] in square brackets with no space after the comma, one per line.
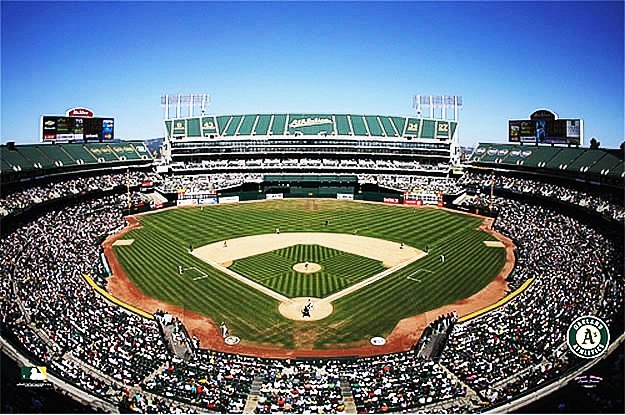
[393,255]
[389,253]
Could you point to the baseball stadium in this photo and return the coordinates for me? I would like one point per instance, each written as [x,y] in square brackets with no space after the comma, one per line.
[312,207]
[329,263]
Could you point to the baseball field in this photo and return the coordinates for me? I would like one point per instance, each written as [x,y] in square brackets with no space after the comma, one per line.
[368,266]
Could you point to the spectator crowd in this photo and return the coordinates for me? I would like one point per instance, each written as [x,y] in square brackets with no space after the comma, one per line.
[51,314]
[605,203]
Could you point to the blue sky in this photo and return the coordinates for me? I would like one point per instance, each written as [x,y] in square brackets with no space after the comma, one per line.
[506,59]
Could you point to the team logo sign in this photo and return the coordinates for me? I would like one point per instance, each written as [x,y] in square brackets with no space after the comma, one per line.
[588,337]
[39,373]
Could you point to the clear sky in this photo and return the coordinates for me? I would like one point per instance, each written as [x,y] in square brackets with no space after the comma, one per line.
[506,59]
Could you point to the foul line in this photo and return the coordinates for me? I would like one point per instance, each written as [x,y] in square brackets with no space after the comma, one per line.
[371,280]
[498,304]
[114,300]
[329,298]
[247,281]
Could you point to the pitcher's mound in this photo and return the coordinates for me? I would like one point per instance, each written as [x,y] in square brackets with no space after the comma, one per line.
[293,309]
[312,267]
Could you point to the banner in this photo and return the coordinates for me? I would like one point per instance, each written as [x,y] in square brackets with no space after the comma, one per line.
[207,201]
[186,202]
[274,196]
[229,199]
[345,196]
[392,200]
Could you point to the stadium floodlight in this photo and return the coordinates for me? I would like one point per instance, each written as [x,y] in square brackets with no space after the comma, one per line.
[431,102]
[180,101]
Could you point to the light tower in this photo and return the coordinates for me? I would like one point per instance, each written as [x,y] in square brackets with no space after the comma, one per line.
[185,105]
[445,103]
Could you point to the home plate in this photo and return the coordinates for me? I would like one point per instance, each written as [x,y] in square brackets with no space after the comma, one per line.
[378,341]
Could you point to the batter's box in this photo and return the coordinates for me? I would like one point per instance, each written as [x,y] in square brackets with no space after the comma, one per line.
[192,272]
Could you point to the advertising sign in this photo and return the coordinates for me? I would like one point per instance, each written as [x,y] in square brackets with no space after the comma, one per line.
[345,196]
[229,199]
[274,196]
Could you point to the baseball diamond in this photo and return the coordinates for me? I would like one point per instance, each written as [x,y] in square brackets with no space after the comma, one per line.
[312,208]
[373,309]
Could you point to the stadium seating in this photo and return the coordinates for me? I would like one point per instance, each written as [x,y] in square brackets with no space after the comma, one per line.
[58,321]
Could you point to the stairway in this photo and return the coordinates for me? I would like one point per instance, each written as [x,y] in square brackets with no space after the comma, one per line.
[348,398]
[252,398]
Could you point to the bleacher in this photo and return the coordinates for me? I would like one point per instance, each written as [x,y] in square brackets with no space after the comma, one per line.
[40,159]
[573,162]
[310,124]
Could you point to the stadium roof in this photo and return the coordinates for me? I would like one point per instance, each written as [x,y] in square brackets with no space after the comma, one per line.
[43,157]
[560,159]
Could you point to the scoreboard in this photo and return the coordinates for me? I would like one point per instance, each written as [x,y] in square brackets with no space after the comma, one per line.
[544,127]
[61,128]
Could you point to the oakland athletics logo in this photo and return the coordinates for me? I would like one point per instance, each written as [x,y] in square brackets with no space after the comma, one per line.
[588,337]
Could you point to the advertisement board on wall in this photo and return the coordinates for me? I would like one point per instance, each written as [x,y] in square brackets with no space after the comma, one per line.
[392,200]
[229,199]
[207,201]
[270,196]
[345,196]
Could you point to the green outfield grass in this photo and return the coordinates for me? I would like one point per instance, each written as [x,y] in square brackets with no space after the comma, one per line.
[161,245]
[275,270]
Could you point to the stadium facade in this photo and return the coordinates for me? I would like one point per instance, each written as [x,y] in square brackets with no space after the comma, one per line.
[314,142]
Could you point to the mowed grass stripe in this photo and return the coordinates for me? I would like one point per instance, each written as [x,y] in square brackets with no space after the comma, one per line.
[274,270]
[161,245]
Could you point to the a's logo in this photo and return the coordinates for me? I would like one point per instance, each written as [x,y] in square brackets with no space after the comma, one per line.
[39,373]
[305,122]
[480,150]
[209,125]
[588,337]
[413,126]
